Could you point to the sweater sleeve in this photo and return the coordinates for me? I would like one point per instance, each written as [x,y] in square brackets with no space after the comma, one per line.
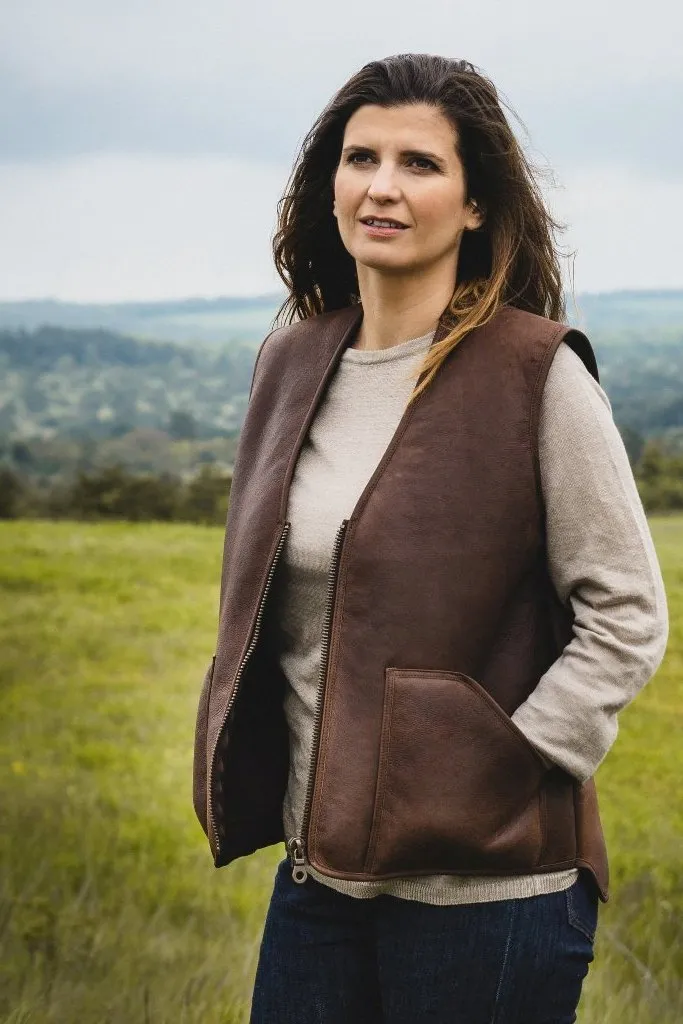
[603,562]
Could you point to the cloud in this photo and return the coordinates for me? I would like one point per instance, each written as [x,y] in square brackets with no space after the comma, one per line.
[247,80]
[107,228]
[143,146]
[625,227]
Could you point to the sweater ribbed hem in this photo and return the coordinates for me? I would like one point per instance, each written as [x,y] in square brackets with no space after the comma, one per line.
[448,890]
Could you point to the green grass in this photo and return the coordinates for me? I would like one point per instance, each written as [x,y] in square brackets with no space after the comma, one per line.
[110,908]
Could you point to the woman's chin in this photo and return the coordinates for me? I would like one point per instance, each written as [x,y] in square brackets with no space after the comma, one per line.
[386,263]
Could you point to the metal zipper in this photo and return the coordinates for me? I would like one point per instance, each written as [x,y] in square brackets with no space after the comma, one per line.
[296,846]
[240,672]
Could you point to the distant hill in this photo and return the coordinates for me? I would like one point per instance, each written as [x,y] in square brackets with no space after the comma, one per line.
[226,320]
[213,321]
[57,381]
[98,381]
[637,311]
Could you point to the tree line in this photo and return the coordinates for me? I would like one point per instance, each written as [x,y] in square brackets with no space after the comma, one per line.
[116,493]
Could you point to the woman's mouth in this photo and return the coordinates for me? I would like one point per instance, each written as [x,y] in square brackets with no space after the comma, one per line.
[382,227]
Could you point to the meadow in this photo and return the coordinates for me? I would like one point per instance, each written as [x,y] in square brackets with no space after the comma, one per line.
[111,911]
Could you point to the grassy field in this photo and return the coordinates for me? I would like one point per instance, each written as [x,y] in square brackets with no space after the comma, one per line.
[110,908]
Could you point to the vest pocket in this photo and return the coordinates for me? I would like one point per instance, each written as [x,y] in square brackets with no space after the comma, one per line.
[458,785]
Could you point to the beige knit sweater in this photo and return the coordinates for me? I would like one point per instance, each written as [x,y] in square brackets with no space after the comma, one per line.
[601,559]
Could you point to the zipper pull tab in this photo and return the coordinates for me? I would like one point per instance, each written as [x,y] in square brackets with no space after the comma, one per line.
[298,858]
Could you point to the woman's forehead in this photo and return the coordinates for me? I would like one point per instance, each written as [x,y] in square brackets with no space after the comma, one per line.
[398,125]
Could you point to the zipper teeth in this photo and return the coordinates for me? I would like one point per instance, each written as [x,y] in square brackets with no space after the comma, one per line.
[240,671]
[325,651]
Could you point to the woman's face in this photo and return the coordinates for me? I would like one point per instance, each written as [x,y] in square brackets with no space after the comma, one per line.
[400,164]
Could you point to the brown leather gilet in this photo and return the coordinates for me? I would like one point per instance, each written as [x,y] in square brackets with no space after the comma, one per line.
[441,618]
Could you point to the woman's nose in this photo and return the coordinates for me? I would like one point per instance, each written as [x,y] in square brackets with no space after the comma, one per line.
[383,184]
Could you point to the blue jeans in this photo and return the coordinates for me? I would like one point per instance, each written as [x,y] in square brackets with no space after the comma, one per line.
[329,958]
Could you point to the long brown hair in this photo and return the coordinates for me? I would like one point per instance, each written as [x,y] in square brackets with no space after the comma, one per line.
[512,259]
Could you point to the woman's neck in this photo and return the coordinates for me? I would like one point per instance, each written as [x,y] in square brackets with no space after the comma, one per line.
[396,309]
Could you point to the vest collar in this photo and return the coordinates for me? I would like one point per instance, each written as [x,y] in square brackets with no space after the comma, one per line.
[336,335]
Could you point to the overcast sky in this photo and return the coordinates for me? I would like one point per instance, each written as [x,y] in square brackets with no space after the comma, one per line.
[143,147]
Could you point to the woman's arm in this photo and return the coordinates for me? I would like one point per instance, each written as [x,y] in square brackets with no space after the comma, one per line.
[602,560]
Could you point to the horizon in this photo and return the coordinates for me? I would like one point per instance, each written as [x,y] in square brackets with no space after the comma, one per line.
[268,297]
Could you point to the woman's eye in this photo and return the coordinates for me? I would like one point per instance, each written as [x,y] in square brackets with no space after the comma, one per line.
[420,163]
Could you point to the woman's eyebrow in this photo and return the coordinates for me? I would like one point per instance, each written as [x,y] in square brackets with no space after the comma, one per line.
[424,153]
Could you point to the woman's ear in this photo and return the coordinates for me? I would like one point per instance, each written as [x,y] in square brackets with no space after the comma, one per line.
[477,215]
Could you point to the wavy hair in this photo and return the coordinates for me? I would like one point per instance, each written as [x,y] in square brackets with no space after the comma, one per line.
[511,259]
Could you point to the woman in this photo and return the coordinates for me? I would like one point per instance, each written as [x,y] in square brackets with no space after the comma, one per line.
[439,587]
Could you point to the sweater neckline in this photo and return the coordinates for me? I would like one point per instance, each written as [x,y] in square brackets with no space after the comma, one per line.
[402,350]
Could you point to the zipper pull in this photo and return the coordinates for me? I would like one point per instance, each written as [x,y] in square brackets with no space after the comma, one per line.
[298,858]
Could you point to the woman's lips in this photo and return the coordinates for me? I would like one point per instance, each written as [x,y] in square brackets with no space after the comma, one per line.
[377,231]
